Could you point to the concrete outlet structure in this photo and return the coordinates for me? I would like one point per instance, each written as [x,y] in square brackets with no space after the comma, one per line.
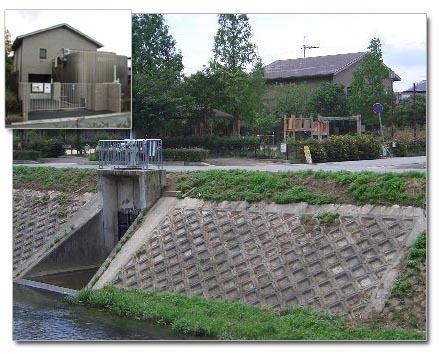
[125,193]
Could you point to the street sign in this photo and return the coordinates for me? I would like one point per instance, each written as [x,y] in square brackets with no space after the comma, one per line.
[283,148]
[307,153]
[377,107]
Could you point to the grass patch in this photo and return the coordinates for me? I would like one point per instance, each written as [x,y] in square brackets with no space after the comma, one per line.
[306,186]
[328,218]
[406,304]
[225,320]
[50,178]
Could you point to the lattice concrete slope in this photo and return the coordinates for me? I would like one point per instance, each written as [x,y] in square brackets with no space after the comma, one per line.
[275,256]
[38,219]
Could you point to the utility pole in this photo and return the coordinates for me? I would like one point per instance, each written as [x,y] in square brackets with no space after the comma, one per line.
[305,47]
[414,110]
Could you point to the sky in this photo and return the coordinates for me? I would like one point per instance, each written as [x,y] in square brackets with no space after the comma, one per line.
[112,28]
[280,36]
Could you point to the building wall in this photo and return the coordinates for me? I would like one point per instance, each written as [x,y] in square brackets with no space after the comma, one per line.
[52,40]
[273,87]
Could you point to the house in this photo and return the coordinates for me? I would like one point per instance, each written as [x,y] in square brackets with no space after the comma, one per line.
[420,89]
[34,52]
[338,69]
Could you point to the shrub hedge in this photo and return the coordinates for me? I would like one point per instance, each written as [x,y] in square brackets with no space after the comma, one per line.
[342,148]
[26,155]
[219,145]
[46,147]
[184,154]
[410,147]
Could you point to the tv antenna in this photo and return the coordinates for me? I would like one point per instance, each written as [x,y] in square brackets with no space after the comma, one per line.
[305,47]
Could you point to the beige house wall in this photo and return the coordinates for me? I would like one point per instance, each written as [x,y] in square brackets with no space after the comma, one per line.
[27,56]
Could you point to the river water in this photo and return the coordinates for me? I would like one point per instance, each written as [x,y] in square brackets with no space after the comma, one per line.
[43,315]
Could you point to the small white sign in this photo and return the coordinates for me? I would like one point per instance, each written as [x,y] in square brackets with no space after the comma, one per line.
[37,87]
[283,147]
[47,88]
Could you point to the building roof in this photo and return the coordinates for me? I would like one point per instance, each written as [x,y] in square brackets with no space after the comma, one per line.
[19,39]
[312,66]
[419,87]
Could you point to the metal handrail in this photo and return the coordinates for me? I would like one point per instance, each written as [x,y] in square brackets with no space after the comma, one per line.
[130,153]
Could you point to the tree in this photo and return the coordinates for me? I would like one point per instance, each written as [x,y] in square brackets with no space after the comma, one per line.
[157,76]
[329,100]
[292,99]
[404,112]
[368,85]
[238,70]
[8,57]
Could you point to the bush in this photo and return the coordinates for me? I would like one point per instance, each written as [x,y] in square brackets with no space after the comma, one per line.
[46,147]
[342,148]
[12,105]
[183,154]
[26,155]
[220,145]
[409,147]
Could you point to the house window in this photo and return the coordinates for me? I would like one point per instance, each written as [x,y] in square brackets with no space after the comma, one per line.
[43,53]
[348,91]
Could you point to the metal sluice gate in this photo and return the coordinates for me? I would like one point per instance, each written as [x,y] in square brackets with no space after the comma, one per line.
[130,153]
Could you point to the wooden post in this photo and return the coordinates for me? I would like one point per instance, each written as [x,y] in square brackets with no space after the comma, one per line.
[359,124]
[285,128]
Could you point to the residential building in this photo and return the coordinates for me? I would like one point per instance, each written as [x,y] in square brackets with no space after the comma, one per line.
[420,88]
[312,71]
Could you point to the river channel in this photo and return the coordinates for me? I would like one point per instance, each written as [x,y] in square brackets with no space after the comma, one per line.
[44,315]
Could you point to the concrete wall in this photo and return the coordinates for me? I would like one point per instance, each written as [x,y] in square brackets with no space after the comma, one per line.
[104,96]
[28,54]
[83,249]
[126,189]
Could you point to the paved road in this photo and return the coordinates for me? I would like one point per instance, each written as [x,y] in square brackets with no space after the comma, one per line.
[396,164]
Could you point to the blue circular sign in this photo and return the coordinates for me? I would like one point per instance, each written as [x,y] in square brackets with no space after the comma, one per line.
[377,107]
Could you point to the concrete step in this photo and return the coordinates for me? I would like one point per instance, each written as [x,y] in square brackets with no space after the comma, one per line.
[170,193]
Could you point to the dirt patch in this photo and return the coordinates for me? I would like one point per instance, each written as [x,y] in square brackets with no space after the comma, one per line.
[332,188]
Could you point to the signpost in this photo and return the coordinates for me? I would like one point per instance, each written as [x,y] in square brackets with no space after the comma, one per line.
[378,108]
[307,153]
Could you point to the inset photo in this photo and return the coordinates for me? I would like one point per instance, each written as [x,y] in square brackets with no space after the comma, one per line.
[68,69]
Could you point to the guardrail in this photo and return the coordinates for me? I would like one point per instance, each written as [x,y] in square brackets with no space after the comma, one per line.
[130,153]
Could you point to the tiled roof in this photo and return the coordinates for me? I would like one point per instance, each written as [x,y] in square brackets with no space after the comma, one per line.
[19,39]
[420,87]
[312,66]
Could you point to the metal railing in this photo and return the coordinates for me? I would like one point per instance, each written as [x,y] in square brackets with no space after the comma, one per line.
[55,96]
[130,153]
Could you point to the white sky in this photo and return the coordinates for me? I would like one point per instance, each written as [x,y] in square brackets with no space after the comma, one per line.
[112,28]
[280,36]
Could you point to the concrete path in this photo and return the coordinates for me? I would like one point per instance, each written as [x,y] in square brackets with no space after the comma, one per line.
[396,164]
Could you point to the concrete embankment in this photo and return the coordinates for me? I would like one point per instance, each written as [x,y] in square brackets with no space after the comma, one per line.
[274,256]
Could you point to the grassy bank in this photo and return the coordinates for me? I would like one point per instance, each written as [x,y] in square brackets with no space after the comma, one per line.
[314,187]
[222,320]
[59,179]
[407,302]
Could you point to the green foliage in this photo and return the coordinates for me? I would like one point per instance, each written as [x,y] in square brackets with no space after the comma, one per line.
[418,252]
[368,86]
[328,218]
[341,148]
[289,187]
[157,72]
[219,145]
[26,155]
[227,320]
[46,147]
[185,154]
[409,147]
[404,112]
[12,105]
[237,69]
[59,179]
[329,100]
[292,99]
